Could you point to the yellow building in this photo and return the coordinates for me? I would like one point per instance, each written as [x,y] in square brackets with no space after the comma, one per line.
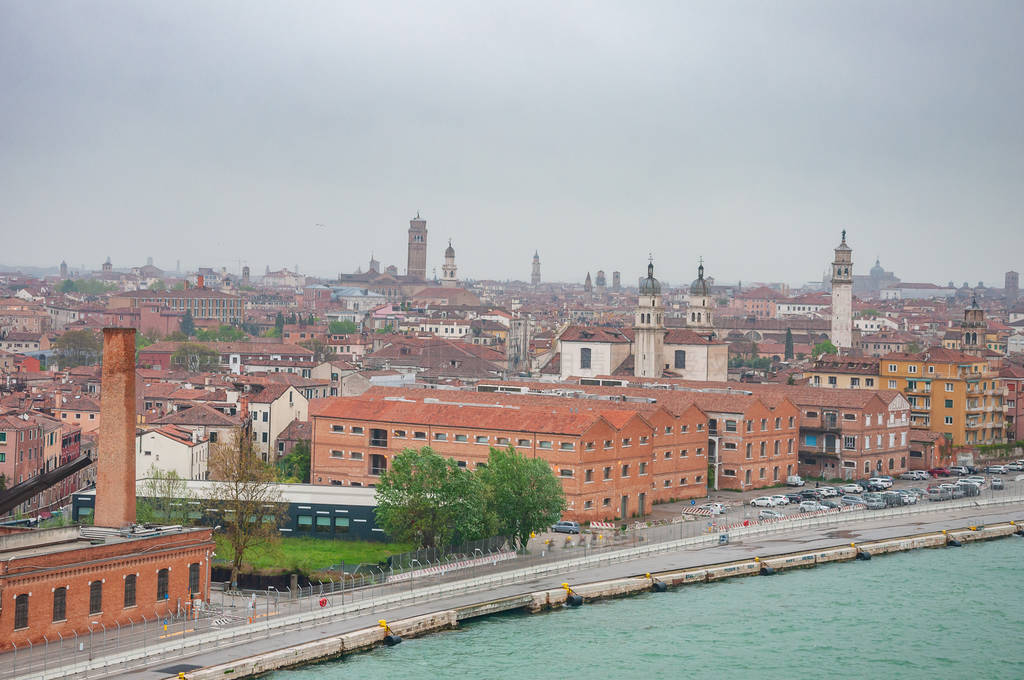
[950,392]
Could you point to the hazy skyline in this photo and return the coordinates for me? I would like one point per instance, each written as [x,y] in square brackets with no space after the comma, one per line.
[747,133]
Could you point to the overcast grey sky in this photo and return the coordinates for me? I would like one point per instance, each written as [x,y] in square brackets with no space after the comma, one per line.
[747,132]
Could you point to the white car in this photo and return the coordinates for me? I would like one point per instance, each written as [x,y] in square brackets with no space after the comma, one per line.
[917,475]
[811,506]
[997,469]
[780,500]
[980,481]
[763,502]
[715,508]
[770,514]
[1016,466]
[883,482]
[829,492]
[851,488]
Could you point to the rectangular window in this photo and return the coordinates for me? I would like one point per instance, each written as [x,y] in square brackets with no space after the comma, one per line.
[625,470]
[608,473]
[440,436]
[643,469]
[566,446]
[337,454]
[419,435]
[668,429]
[892,368]
[565,472]
[400,434]
[305,522]
[869,382]
[355,455]
[502,441]
[60,598]
[892,385]
[668,455]
[588,475]
[949,387]
[587,505]
[543,444]
[522,442]
[643,439]
[129,590]
[96,597]
[481,439]
[461,438]
[949,403]
[849,443]
[625,442]
[948,420]
[730,426]
[356,429]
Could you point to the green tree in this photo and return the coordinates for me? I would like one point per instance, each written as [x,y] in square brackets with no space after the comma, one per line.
[194,357]
[165,498]
[430,501]
[342,327]
[789,345]
[246,497]
[66,286]
[824,347]
[912,348]
[279,324]
[78,348]
[295,466]
[187,324]
[523,494]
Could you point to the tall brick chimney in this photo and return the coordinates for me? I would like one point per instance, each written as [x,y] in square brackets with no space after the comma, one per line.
[115,477]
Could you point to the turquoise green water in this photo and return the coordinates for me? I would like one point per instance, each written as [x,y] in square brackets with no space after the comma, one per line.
[945,613]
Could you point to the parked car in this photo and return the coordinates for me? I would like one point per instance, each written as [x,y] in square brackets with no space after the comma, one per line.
[884,482]
[795,498]
[937,494]
[959,470]
[715,508]
[794,480]
[811,506]
[1016,466]
[909,497]
[770,514]
[968,488]
[566,527]
[780,499]
[908,475]
[811,494]
[921,493]
[851,488]
[854,501]
[980,481]
[831,505]
[763,502]
[874,501]
[829,492]
[997,485]
[939,472]
[997,469]
[893,499]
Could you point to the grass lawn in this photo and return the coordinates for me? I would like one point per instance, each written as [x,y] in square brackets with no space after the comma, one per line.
[309,554]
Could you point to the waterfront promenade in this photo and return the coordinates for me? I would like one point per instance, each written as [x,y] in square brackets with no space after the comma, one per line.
[781,541]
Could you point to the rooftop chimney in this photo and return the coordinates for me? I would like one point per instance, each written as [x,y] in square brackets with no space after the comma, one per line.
[115,477]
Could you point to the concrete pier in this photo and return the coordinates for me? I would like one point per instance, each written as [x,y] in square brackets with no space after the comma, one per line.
[554,598]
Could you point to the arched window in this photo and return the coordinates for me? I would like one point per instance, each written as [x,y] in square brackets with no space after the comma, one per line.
[162,577]
[129,590]
[585,357]
[60,601]
[21,611]
[680,358]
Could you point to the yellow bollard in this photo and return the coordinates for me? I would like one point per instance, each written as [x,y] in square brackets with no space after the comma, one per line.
[757,559]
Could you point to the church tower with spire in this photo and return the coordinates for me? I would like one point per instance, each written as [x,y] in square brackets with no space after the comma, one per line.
[648,328]
[842,297]
[698,317]
[972,329]
[448,278]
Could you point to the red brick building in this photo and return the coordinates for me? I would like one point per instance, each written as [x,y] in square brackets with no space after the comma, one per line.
[614,460]
[58,581]
[1012,379]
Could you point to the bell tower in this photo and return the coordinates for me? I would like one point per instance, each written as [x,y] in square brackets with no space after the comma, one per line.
[842,297]
[448,269]
[972,329]
[648,328]
[416,266]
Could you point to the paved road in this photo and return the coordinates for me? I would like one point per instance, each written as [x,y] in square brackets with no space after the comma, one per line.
[787,541]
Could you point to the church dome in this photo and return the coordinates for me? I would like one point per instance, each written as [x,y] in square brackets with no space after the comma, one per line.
[650,285]
[699,287]
[449,251]
[877,270]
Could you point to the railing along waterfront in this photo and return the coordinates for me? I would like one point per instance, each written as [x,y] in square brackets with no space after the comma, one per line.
[237,617]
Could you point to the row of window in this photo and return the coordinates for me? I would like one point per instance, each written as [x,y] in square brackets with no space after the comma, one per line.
[60,595]
[762,473]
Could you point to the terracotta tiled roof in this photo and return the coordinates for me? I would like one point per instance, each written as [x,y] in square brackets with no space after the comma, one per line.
[200,414]
[593,334]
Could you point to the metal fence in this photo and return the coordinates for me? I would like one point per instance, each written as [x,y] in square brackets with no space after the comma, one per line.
[232,617]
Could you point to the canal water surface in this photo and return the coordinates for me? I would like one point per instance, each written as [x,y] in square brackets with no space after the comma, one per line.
[942,613]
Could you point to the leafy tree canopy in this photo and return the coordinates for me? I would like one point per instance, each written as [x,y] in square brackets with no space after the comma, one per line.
[824,347]
[343,327]
[78,348]
[523,494]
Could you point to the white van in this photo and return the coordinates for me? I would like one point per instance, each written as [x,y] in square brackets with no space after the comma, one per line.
[794,480]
